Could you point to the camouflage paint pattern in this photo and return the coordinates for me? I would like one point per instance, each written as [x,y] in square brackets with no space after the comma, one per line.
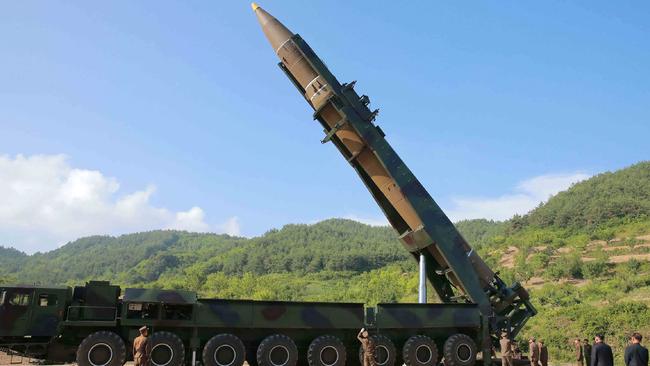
[438,321]
[423,316]
[278,314]
[250,320]
[155,295]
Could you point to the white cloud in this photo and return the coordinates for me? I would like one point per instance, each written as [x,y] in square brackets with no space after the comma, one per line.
[231,227]
[525,196]
[190,220]
[376,221]
[44,202]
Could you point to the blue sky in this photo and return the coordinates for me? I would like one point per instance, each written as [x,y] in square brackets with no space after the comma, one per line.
[123,116]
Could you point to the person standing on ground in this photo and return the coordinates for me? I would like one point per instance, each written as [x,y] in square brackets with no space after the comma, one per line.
[601,352]
[579,356]
[586,352]
[533,352]
[506,350]
[635,353]
[543,353]
[141,348]
[368,346]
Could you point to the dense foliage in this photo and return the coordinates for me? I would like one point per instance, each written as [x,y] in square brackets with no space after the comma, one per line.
[583,255]
[608,198]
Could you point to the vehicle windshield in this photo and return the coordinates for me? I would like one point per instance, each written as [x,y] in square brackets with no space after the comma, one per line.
[19,299]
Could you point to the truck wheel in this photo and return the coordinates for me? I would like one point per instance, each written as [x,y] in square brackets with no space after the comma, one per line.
[385,351]
[326,350]
[101,348]
[459,350]
[166,349]
[224,350]
[277,350]
[420,350]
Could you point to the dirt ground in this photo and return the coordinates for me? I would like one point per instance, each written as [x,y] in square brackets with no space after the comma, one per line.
[6,360]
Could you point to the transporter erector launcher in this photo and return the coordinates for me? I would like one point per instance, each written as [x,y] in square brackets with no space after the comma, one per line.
[454,269]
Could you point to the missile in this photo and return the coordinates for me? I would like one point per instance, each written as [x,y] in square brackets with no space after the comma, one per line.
[348,122]
[296,59]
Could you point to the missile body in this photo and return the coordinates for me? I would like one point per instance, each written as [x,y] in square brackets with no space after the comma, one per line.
[453,266]
[319,93]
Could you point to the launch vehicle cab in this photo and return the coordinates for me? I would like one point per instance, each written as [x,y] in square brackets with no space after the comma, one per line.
[31,311]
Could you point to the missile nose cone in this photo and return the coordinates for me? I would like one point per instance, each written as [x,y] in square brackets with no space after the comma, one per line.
[274,31]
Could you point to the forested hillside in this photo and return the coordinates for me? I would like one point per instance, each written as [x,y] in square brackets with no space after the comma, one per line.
[334,245]
[583,255]
[606,199]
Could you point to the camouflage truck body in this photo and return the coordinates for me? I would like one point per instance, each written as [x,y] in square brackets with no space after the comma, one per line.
[97,323]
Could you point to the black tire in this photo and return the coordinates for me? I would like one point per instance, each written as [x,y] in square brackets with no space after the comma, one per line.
[277,350]
[166,349]
[420,350]
[385,351]
[103,348]
[326,350]
[459,350]
[224,350]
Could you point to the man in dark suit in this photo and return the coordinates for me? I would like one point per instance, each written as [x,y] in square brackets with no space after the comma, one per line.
[601,352]
[635,353]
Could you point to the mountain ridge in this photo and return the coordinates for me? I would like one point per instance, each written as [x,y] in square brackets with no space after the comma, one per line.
[336,244]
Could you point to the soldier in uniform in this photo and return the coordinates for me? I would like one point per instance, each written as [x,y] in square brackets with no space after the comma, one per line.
[533,352]
[543,353]
[586,351]
[506,350]
[579,356]
[368,345]
[141,348]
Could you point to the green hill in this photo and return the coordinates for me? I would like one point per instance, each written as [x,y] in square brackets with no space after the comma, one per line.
[606,199]
[142,258]
[583,255]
